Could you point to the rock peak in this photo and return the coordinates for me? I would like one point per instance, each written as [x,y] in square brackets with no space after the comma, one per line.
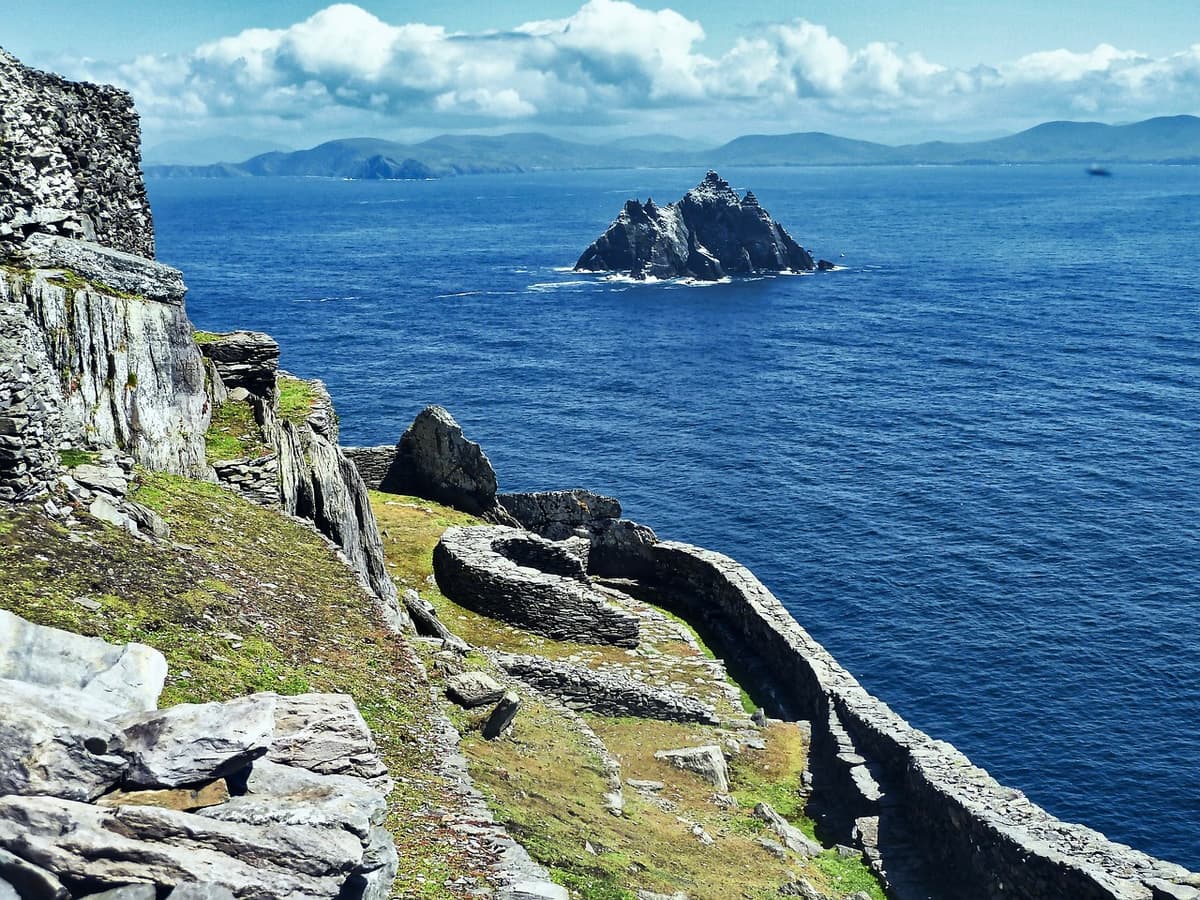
[710,233]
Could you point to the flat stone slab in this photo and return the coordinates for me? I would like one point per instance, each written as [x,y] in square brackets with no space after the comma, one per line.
[471,689]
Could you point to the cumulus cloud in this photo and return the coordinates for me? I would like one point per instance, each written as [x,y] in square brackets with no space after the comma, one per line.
[613,62]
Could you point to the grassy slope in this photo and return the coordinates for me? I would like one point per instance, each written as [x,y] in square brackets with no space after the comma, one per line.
[246,600]
[548,785]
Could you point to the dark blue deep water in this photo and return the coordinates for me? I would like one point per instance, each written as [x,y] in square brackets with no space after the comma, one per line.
[969,463]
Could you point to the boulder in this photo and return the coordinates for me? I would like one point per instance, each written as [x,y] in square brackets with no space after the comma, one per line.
[195,742]
[793,838]
[247,360]
[708,762]
[502,716]
[435,460]
[325,733]
[127,892]
[28,881]
[118,678]
[427,623]
[115,847]
[471,689]
[708,234]
[193,891]
[559,514]
[52,750]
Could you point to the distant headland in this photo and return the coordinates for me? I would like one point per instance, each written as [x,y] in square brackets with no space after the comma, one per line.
[1171,140]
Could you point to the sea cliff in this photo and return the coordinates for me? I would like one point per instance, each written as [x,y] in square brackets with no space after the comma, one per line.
[554,702]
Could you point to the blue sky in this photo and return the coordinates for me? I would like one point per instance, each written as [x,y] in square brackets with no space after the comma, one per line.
[295,73]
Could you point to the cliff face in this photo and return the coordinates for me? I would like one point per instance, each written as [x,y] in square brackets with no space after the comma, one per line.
[708,234]
[69,161]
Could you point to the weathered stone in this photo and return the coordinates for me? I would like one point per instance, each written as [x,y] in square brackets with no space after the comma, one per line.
[708,234]
[185,799]
[708,762]
[534,890]
[427,623]
[284,795]
[108,268]
[471,689]
[502,716]
[793,838]
[105,510]
[27,881]
[57,753]
[559,514]
[102,478]
[325,733]
[606,693]
[194,742]
[114,679]
[113,847]
[245,360]
[7,892]
[528,581]
[435,460]
[127,892]
[193,891]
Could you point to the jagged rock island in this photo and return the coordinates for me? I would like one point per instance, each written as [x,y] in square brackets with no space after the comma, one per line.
[709,234]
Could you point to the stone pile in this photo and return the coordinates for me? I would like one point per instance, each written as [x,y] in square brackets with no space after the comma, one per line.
[278,798]
[30,414]
[101,486]
[528,581]
[70,162]
[244,359]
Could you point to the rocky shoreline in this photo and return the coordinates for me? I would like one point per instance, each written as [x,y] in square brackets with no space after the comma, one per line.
[275,794]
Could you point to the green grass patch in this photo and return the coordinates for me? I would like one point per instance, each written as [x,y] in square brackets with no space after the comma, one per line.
[72,458]
[206,337]
[296,398]
[75,282]
[234,433]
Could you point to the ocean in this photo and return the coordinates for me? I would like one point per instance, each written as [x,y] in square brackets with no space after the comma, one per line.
[968,462]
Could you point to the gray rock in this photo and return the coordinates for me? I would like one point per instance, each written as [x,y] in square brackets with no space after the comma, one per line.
[110,479]
[502,716]
[435,460]
[325,733]
[114,678]
[44,750]
[195,742]
[803,889]
[246,361]
[380,864]
[427,623]
[526,580]
[471,689]
[113,847]
[711,232]
[7,892]
[793,838]
[148,521]
[103,509]
[127,892]
[534,890]
[27,881]
[708,762]
[194,891]
[284,795]
[108,268]
[559,514]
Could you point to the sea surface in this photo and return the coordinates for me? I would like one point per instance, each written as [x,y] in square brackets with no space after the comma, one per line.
[968,463]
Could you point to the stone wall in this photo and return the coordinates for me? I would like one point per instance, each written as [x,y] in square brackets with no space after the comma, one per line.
[474,567]
[606,693]
[30,407]
[372,463]
[70,162]
[255,479]
[981,840]
[559,514]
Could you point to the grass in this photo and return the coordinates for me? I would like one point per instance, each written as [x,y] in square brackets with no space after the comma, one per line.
[72,458]
[234,433]
[245,600]
[205,337]
[296,398]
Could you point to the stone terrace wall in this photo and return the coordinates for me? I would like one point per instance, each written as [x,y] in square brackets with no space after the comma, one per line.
[70,162]
[372,463]
[985,840]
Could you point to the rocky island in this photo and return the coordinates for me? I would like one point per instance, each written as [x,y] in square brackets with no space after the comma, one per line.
[709,234]
[239,660]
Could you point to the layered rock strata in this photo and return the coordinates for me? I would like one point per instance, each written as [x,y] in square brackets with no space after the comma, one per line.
[708,234]
[526,580]
[100,790]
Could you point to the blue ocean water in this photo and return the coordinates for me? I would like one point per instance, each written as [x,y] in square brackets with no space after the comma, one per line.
[969,463]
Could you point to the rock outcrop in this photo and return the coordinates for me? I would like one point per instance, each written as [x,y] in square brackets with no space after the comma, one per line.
[70,162]
[78,747]
[244,359]
[707,235]
[528,581]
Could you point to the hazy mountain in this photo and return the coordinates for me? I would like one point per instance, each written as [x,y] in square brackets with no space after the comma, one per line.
[1167,139]
[227,148]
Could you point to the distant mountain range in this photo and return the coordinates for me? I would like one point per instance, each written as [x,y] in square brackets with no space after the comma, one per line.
[1172,139]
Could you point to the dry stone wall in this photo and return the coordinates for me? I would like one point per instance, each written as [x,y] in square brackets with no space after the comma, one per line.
[70,162]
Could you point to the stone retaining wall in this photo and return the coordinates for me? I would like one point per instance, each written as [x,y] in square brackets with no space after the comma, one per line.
[605,693]
[474,567]
[983,840]
[255,479]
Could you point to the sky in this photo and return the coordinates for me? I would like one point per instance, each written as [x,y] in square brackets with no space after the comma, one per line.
[295,73]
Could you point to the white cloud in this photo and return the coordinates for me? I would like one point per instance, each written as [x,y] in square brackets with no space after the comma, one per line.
[617,63]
